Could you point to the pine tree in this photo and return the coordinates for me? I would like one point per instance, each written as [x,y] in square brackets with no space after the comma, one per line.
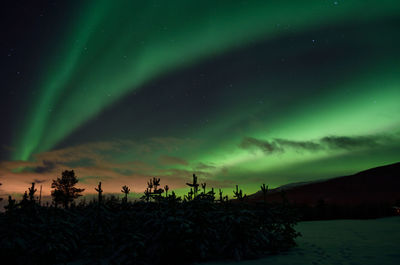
[194,185]
[24,202]
[100,192]
[65,191]
[204,185]
[238,194]
[166,188]
[11,204]
[126,191]
[32,191]
[157,192]
[264,189]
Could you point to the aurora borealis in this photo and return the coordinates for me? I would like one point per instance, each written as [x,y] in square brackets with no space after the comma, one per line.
[244,92]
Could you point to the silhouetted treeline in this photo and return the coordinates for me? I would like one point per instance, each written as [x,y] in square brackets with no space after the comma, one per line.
[162,228]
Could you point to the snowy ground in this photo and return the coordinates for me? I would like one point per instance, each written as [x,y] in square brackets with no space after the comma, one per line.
[347,242]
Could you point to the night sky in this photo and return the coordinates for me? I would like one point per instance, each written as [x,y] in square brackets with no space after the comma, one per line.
[238,92]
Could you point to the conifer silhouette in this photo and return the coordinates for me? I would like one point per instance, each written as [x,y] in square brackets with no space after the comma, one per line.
[11,204]
[126,191]
[100,192]
[32,191]
[264,189]
[65,191]
[221,198]
[166,188]
[203,186]
[238,194]
[211,192]
[24,202]
[157,191]
[194,185]
[147,195]
[190,195]
[194,230]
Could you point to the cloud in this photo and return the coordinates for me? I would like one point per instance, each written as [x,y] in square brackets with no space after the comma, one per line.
[350,143]
[39,181]
[299,145]
[265,146]
[171,160]
[325,143]
[115,163]
[48,166]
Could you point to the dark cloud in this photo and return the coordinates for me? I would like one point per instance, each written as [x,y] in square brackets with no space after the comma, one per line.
[266,146]
[350,143]
[278,145]
[48,166]
[299,145]
[325,143]
[39,181]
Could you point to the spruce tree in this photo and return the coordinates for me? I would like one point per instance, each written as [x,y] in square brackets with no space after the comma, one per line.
[125,190]
[65,191]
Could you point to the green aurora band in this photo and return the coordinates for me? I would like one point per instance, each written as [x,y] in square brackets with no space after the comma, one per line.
[114,47]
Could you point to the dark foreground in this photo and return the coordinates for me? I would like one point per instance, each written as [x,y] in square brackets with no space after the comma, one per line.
[164,231]
[355,242]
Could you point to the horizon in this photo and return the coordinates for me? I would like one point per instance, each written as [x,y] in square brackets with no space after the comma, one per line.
[236,93]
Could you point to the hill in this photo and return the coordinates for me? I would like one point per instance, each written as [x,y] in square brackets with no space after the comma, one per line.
[376,185]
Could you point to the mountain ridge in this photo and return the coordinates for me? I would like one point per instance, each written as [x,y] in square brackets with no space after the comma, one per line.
[375,185]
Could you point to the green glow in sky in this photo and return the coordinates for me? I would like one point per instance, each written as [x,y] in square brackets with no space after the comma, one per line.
[113,48]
